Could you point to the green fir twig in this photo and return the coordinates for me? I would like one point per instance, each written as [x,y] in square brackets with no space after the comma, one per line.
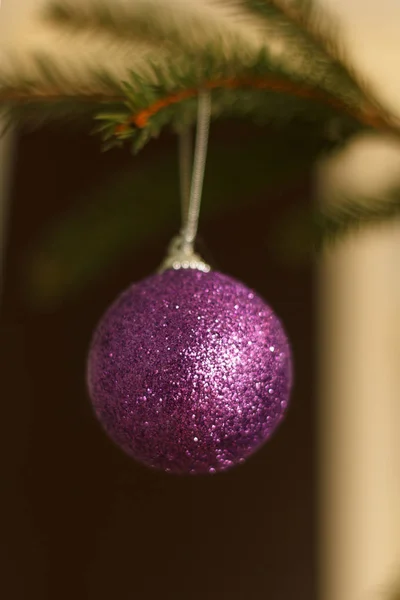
[180,64]
[309,84]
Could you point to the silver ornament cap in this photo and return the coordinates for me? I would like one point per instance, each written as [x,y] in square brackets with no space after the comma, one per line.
[182,255]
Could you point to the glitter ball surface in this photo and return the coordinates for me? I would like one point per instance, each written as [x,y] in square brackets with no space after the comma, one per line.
[189,372]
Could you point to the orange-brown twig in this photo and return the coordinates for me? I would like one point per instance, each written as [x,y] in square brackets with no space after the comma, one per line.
[370,116]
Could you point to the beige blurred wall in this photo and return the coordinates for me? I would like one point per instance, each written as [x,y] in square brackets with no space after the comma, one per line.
[360,343]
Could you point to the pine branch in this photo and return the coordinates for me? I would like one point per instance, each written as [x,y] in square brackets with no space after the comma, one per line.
[27,97]
[262,90]
[139,107]
[164,92]
[312,41]
[309,27]
[346,216]
[151,23]
[51,92]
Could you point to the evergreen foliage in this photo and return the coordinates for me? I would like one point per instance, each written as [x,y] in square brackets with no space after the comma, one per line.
[308,86]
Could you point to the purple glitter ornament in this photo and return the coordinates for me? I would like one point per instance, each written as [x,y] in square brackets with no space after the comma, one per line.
[189,372]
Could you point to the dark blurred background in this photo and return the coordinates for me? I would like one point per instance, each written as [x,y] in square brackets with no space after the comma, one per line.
[80,519]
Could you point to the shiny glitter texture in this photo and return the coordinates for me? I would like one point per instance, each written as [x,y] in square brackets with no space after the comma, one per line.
[189,372]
